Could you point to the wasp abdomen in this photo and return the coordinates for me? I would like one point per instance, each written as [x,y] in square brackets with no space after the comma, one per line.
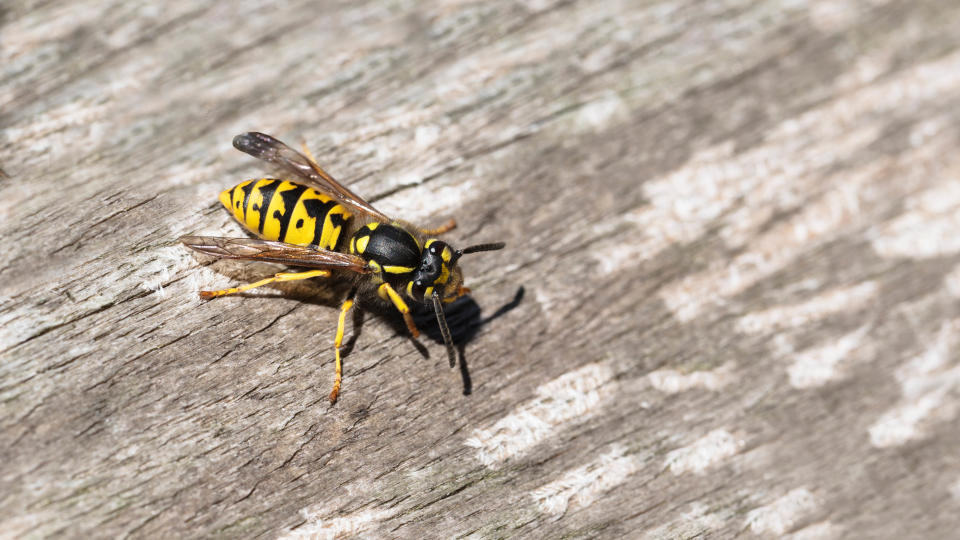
[286,211]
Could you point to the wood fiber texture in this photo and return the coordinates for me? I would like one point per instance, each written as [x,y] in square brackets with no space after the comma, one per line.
[729,305]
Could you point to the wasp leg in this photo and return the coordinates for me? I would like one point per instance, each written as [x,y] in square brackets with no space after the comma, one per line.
[387,293]
[460,292]
[282,276]
[347,304]
[448,226]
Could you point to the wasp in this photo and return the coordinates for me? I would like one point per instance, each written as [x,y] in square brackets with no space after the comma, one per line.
[316,223]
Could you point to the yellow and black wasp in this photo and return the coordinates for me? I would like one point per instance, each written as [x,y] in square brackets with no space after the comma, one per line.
[318,223]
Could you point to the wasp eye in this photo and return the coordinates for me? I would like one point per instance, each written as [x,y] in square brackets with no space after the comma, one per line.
[418,283]
[433,249]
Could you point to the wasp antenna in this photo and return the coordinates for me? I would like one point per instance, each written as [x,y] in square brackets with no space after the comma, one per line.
[444,329]
[482,247]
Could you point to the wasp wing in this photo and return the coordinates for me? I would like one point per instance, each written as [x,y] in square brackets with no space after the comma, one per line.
[278,252]
[267,148]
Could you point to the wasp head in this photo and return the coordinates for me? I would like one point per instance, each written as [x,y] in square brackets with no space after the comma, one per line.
[438,272]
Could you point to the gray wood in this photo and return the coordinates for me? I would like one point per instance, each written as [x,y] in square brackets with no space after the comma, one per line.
[728,306]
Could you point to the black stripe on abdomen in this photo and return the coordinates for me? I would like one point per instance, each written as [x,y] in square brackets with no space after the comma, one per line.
[290,198]
[266,197]
[318,209]
[337,220]
[247,191]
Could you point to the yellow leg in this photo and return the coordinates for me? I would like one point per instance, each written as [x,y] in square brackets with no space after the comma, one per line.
[448,226]
[460,292]
[347,304]
[282,276]
[387,293]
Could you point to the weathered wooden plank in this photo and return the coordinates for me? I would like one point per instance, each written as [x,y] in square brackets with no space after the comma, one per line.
[728,305]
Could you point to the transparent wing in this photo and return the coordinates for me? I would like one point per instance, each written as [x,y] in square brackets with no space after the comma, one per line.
[278,252]
[267,148]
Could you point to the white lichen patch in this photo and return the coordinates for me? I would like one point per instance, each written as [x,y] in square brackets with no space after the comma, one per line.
[582,486]
[162,265]
[704,453]
[783,514]
[597,114]
[955,490]
[71,114]
[952,282]
[816,308]
[328,528]
[929,227]
[570,398]
[831,17]
[824,530]
[818,366]
[696,522]
[427,134]
[619,256]
[927,382]
[671,381]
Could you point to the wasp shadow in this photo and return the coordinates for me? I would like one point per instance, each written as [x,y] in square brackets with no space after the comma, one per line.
[464,317]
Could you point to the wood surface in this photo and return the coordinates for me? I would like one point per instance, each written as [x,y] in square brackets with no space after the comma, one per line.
[729,304]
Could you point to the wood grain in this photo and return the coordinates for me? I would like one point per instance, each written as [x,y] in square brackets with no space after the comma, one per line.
[729,305]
